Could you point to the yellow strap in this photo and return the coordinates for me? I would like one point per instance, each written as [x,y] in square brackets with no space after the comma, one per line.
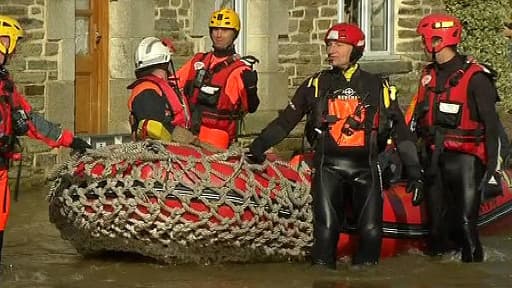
[315,83]
[385,94]
[153,130]
[388,93]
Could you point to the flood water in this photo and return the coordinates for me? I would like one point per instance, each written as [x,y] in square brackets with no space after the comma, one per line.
[36,256]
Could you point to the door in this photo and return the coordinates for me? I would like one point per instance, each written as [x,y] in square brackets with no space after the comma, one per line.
[91,62]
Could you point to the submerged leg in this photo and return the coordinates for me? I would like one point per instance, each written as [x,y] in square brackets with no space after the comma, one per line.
[471,247]
[437,215]
[368,204]
[467,172]
[325,217]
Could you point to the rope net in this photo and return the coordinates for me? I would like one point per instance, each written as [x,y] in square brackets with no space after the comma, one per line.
[178,203]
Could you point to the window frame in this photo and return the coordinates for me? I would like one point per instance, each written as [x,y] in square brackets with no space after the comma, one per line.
[364,20]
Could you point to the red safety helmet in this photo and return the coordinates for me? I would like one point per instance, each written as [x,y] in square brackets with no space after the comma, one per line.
[446,27]
[350,34]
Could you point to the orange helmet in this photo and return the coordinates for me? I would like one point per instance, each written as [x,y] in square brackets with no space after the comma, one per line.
[349,34]
[445,27]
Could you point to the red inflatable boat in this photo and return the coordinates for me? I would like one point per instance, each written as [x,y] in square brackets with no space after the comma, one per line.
[179,203]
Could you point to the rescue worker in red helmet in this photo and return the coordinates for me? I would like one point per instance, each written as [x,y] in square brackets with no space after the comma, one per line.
[158,110]
[221,85]
[18,119]
[456,119]
[351,115]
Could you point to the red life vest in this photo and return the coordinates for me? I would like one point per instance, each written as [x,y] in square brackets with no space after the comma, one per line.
[5,117]
[221,113]
[448,112]
[177,108]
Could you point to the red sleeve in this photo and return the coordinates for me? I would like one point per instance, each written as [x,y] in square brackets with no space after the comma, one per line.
[41,129]
[235,88]
[183,73]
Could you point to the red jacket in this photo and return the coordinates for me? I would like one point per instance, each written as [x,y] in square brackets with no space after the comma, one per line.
[38,128]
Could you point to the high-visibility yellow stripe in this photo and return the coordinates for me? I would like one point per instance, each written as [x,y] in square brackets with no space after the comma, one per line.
[350,72]
[315,83]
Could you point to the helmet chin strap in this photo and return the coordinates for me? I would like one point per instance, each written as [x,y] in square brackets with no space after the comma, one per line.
[4,61]
[434,54]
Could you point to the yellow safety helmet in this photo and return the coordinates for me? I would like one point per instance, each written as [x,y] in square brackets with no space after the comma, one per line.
[11,28]
[225,18]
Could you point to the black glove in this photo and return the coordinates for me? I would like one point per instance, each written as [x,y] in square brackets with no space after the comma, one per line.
[79,145]
[416,188]
[250,79]
[415,184]
[491,185]
[255,156]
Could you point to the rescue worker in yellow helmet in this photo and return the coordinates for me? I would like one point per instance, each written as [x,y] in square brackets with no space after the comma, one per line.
[351,116]
[158,110]
[18,119]
[220,85]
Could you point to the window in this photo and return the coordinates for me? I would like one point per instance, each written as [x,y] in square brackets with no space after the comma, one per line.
[375,17]
[240,7]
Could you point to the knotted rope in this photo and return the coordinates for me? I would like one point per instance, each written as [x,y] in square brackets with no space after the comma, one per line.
[179,203]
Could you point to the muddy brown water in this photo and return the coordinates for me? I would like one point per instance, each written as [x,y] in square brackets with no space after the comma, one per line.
[36,256]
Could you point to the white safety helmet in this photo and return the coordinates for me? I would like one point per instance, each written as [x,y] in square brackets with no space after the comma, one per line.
[151,51]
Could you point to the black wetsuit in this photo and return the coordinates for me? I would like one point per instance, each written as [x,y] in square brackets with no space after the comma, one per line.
[453,185]
[344,174]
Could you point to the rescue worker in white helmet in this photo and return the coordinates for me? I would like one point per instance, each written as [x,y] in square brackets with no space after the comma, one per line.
[456,119]
[351,115]
[158,110]
[221,85]
[18,119]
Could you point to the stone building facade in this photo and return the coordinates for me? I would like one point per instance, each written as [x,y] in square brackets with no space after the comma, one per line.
[286,35]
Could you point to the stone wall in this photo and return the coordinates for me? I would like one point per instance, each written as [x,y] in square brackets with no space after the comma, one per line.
[36,60]
[300,50]
[34,69]
[407,42]
[173,19]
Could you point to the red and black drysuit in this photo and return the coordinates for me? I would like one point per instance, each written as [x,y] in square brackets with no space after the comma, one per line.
[456,118]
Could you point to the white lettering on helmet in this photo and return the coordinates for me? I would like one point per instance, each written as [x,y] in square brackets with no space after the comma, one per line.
[333,35]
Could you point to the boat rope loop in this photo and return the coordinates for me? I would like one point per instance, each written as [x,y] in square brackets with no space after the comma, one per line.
[179,203]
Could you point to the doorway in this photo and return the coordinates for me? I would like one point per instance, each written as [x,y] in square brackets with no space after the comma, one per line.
[91,62]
